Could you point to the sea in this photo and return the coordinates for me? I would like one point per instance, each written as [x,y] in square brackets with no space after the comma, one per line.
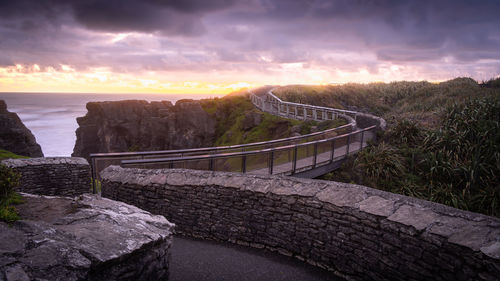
[51,117]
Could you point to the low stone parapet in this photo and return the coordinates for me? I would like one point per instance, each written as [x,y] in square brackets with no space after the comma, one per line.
[61,176]
[355,231]
[87,238]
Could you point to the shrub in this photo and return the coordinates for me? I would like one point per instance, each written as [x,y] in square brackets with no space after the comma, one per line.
[457,164]
[9,179]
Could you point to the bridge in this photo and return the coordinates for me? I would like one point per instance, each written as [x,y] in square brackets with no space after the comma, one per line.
[306,156]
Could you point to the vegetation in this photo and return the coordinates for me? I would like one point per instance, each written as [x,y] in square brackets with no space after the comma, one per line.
[442,142]
[4,154]
[9,179]
[421,102]
[235,116]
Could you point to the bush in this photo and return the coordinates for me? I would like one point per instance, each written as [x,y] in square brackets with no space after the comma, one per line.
[457,164]
[9,179]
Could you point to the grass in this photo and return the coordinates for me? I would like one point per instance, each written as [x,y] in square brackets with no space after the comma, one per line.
[456,163]
[9,179]
[8,212]
[4,154]
[232,116]
[421,102]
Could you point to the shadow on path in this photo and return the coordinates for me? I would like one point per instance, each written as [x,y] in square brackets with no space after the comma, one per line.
[203,260]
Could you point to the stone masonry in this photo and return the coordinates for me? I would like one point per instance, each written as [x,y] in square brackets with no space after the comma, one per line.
[86,238]
[355,231]
[61,176]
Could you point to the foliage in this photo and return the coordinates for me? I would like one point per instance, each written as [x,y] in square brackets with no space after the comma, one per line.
[231,113]
[4,154]
[456,164]
[424,102]
[9,179]
[492,83]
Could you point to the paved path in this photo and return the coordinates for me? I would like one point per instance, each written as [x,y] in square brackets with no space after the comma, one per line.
[201,260]
[306,162]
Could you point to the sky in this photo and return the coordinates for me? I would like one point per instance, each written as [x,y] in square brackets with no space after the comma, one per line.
[217,46]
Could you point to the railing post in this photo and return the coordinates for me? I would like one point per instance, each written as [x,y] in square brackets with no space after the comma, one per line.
[244,163]
[93,175]
[362,137]
[211,164]
[271,161]
[332,155]
[348,143]
[315,156]
[294,164]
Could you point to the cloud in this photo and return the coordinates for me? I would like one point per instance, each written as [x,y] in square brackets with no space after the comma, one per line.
[255,37]
[164,16]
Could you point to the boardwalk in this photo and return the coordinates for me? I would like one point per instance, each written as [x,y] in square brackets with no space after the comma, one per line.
[304,156]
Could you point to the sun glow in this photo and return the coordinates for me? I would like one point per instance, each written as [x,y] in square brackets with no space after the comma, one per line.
[32,78]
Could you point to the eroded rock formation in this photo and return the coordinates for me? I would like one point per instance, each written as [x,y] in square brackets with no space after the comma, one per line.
[14,136]
[136,125]
[91,238]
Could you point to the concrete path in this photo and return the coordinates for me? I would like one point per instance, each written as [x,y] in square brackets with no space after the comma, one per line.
[202,260]
[306,162]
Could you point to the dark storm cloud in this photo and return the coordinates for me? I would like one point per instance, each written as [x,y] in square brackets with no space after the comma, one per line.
[164,16]
[250,33]
[133,15]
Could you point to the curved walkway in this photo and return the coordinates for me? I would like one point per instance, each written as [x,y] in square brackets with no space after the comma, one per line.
[204,260]
[306,156]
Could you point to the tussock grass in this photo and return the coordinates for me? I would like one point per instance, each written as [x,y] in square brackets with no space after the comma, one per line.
[422,102]
[456,164]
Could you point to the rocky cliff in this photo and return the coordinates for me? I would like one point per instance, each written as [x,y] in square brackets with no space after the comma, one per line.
[137,125]
[14,136]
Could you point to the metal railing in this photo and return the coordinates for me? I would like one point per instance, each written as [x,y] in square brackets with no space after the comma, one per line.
[283,160]
[286,156]
[274,105]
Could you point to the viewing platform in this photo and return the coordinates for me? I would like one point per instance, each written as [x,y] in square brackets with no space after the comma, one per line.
[306,156]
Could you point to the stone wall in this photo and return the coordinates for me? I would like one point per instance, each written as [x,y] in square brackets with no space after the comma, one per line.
[86,238]
[355,231]
[61,176]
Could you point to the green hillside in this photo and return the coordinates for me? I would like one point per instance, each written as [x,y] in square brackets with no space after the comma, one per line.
[442,143]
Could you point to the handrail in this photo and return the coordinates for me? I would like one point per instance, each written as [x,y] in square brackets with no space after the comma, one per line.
[301,151]
[350,116]
[217,148]
[229,154]
[270,93]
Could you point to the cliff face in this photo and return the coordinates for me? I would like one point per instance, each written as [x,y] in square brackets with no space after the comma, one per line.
[136,125]
[14,136]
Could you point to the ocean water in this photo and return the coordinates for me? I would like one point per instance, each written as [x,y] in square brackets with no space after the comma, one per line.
[52,117]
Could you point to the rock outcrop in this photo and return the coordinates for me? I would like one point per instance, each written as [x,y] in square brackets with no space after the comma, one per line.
[136,125]
[14,136]
[86,239]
